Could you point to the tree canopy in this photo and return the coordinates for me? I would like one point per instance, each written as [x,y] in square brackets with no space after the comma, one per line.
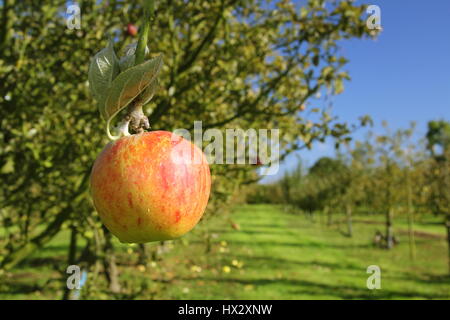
[229,63]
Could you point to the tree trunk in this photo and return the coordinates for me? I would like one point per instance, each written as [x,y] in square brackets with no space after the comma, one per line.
[389,229]
[21,253]
[412,241]
[154,253]
[327,212]
[445,188]
[109,262]
[71,259]
[143,254]
[208,244]
[447,225]
[349,221]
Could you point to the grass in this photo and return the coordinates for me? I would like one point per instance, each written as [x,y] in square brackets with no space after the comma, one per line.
[274,255]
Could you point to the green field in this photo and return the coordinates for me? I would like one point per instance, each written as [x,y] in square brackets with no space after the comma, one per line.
[274,255]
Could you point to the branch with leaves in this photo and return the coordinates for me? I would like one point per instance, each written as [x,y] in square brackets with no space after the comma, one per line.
[128,82]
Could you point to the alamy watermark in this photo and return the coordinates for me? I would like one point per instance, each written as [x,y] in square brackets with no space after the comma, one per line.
[374,20]
[74,280]
[230,146]
[374,281]
[73,20]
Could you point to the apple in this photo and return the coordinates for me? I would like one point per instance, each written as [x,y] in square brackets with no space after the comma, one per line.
[150,186]
[132,30]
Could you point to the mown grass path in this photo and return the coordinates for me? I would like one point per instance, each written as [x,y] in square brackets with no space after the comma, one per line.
[287,256]
[274,255]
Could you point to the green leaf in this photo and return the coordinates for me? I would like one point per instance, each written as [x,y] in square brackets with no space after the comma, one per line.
[102,71]
[338,86]
[8,167]
[303,12]
[127,61]
[129,84]
[149,92]
[328,70]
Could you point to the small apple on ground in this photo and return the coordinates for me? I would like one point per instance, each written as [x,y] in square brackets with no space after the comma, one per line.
[150,186]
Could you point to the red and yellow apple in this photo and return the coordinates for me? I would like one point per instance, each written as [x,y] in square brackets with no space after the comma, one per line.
[150,186]
[132,30]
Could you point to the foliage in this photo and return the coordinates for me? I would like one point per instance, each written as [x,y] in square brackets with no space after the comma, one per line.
[240,64]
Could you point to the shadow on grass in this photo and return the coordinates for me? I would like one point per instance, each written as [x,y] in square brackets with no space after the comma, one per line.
[283,228]
[257,260]
[19,288]
[51,262]
[320,289]
[297,244]
[255,232]
[57,248]
[442,279]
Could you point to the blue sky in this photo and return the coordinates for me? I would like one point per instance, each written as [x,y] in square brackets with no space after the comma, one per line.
[402,76]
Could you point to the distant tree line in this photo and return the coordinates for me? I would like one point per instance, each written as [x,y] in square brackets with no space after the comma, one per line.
[387,174]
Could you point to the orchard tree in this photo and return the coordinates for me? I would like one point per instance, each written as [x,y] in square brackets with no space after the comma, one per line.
[407,158]
[412,154]
[388,178]
[438,138]
[290,181]
[229,63]
[331,176]
[355,179]
[397,157]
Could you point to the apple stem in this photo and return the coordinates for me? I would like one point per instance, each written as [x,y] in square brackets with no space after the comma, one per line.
[123,127]
[135,118]
[138,121]
[149,10]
